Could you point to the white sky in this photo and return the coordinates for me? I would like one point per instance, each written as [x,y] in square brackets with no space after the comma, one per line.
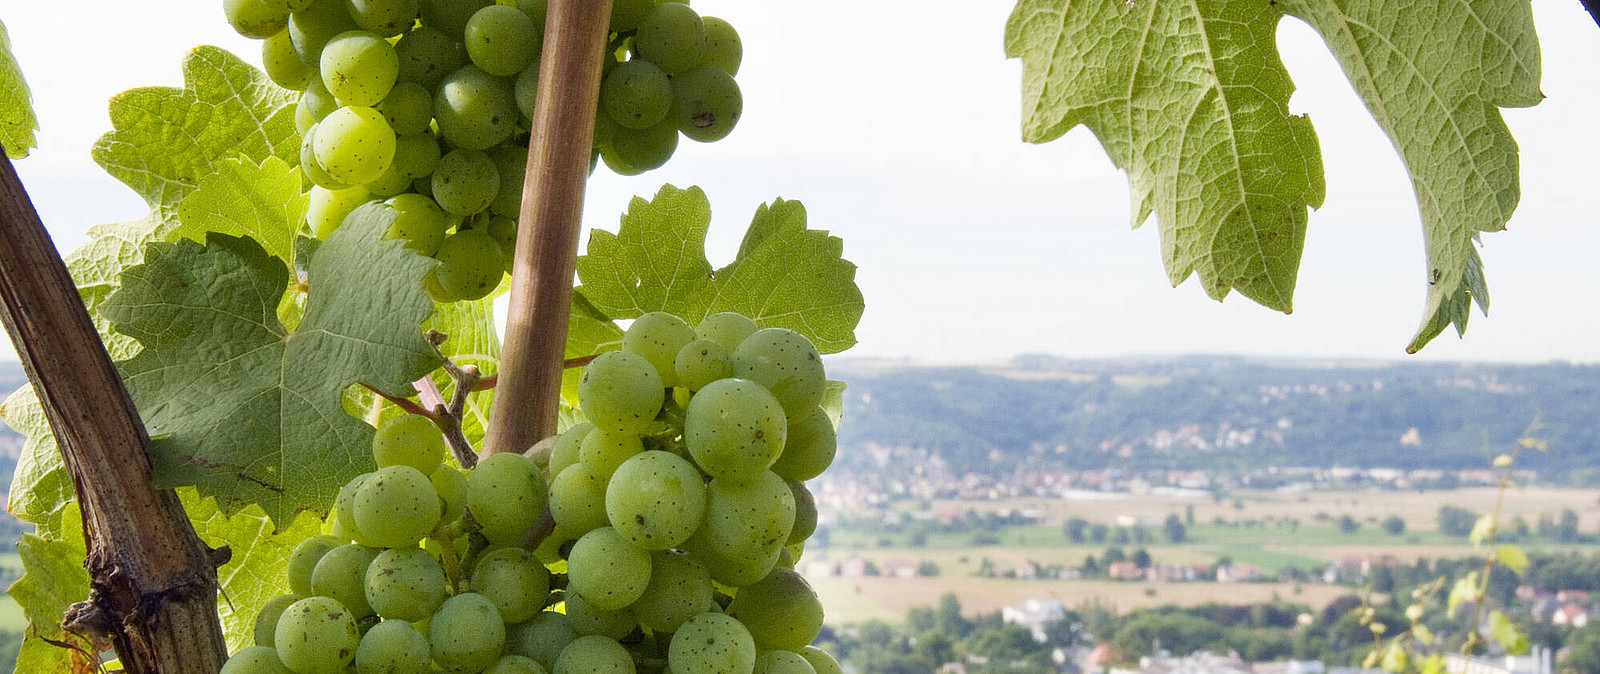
[896,122]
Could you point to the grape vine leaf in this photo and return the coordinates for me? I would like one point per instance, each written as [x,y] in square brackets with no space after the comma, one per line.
[240,407]
[1190,98]
[17,121]
[53,579]
[41,487]
[784,275]
[242,198]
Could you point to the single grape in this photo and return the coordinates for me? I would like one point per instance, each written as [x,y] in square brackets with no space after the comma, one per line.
[723,48]
[342,575]
[359,67]
[345,505]
[805,513]
[475,110]
[465,182]
[451,486]
[594,655]
[526,89]
[255,660]
[310,29]
[712,643]
[747,569]
[305,558]
[626,14]
[706,104]
[317,635]
[283,65]
[392,647]
[311,168]
[542,637]
[256,19]
[673,36]
[416,156]
[588,619]
[782,611]
[535,9]
[750,520]
[821,661]
[422,225]
[387,18]
[602,451]
[267,620]
[502,40]
[511,163]
[609,572]
[810,447]
[701,362]
[679,589]
[782,662]
[505,494]
[621,392]
[787,364]
[408,440]
[636,94]
[451,16]
[470,266]
[408,108]
[656,500]
[405,584]
[303,121]
[327,209]
[317,99]
[577,500]
[634,151]
[727,328]
[503,229]
[396,507]
[514,580]
[466,634]
[354,145]
[734,428]
[427,55]
[515,664]
[657,337]
[565,452]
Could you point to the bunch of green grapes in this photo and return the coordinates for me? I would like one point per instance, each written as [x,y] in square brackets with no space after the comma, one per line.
[427,104]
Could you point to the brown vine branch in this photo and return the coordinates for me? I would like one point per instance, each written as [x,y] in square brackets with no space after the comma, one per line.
[153,583]
[403,403]
[559,153]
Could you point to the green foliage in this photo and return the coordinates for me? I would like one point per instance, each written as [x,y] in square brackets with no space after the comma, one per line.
[54,578]
[1192,100]
[17,121]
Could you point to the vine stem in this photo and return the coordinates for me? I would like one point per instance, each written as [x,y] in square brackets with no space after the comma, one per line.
[152,581]
[560,150]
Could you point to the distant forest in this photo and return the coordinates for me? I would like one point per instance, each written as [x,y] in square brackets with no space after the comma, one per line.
[1233,415]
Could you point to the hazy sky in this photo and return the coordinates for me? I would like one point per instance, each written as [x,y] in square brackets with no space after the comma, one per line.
[896,122]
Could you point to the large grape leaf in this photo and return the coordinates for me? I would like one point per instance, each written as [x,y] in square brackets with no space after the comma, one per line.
[1190,98]
[784,276]
[240,407]
[17,121]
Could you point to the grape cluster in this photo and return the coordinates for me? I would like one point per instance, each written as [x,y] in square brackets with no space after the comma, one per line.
[679,511]
[426,104]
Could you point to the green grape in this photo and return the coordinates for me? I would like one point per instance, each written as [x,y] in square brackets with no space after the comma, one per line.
[345,505]
[305,558]
[409,440]
[341,575]
[821,661]
[451,16]
[387,18]
[782,662]
[505,494]
[542,637]
[503,229]
[701,362]
[475,110]
[706,104]
[679,589]
[565,453]
[283,65]
[392,647]
[526,89]
[256,19]
[782,611]
[466,635]
[316,98]
[656,500]
[514,580]
[602,451]
[359,68]
[393,182]
[267,619]
[417,156]
[317,635]
[465,182]
[712,643]
[723,48]
[408,108]
[810,447]
[588,619]
[594,655]
[422,224]
[427,55]
[734,428]
[657,337]
[255,660]
[805,513]
[515,664]
[636,94]
[730,571]
[535,9]
[621,392]
[577,500]
[313,170]
[405,584]
[303,121]
[727,328]
[327,209]
[747,520]
[608,571]
[451,486]
[673,36]
[396,507]
[310,29]
[502,40]
[787,364]
[354,145]
[626,14]
[470,266]
[633,151]
[511,162]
